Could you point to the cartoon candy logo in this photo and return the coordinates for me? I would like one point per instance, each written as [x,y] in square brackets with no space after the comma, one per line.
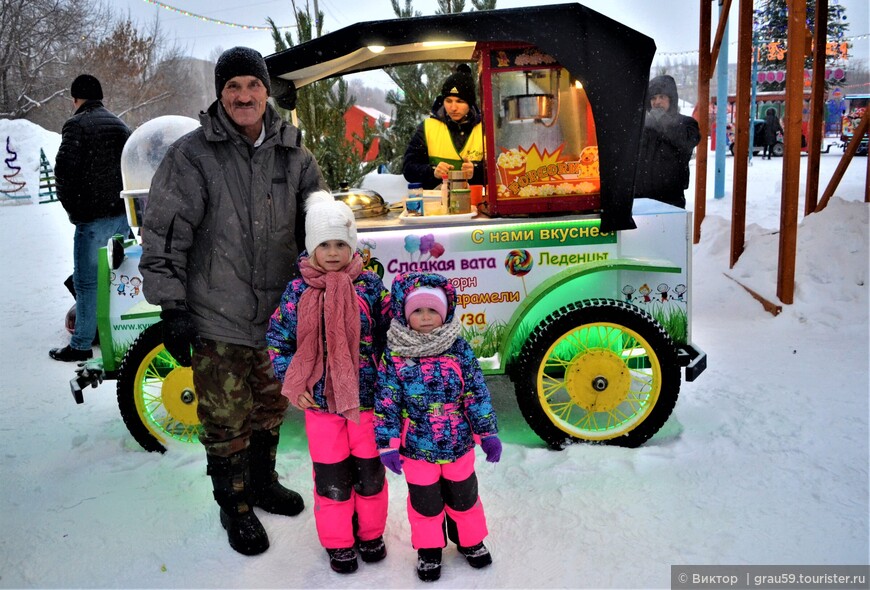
[519,263]
[421,246]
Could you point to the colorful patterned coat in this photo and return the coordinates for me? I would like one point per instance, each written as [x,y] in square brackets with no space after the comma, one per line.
[430,408]
[373,301]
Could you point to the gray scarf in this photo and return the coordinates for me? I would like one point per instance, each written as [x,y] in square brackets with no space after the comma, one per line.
[404,341]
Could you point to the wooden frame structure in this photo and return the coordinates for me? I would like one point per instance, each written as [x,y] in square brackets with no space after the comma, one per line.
[799,47]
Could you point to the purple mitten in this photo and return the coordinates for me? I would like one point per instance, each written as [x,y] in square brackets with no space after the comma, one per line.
[491,445]
[392,461]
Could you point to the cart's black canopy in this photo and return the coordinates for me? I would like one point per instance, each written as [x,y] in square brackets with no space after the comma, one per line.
[611,60]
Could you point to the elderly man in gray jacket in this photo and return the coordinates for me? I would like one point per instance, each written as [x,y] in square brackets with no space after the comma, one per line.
[221,236]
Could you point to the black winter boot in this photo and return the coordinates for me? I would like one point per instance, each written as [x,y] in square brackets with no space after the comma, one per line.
[429,564]
[343,560]
[229,476]
[265,491]
[372,551]
[478,556]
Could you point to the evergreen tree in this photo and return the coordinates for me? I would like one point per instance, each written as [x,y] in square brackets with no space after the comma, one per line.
[47,182]
[771,35]
[320,109]
[418,86]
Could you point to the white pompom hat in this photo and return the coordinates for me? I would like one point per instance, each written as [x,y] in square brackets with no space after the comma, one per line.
[328,219]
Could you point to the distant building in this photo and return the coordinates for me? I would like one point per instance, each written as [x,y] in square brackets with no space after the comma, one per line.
[353,125]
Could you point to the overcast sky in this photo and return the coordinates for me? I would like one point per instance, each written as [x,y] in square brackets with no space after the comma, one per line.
[673,24]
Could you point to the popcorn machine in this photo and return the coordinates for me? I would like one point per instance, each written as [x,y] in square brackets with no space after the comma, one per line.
[539,124]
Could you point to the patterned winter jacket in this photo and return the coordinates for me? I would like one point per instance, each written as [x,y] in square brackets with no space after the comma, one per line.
[431,407]
[373,301]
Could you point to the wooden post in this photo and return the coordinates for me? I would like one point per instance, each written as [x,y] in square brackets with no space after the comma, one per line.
[703,110]
[791,165]
[817,107]
[741,127]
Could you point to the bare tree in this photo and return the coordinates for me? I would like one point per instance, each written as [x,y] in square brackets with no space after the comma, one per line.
[143,74]
[38,38]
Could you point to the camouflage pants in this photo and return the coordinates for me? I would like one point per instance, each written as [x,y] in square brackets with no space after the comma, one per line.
[237,392]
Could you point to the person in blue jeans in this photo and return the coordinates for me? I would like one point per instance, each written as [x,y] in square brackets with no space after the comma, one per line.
[88,175]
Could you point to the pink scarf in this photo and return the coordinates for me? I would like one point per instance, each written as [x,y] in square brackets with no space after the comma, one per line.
[329,300]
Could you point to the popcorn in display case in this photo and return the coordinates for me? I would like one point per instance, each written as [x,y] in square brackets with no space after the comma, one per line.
[539,124]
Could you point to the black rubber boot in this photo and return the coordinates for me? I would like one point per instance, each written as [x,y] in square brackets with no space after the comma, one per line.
[265,491]
[343,561]
[229,476]
[372,551]
[478,556]
[429,564]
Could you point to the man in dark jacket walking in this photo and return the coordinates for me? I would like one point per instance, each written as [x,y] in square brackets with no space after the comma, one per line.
[88,174]
[220,239]
[666,146]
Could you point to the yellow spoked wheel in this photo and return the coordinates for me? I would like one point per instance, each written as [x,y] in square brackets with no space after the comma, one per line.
[598,371]
[156,395]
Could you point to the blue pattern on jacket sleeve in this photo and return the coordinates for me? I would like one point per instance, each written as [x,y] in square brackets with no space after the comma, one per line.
[477,400]
[388,403]
[281,335]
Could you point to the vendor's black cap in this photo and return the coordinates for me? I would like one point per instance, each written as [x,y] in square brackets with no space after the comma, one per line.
[460,84]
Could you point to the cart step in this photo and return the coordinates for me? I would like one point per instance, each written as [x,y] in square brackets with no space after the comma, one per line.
[87,373]
[694,359]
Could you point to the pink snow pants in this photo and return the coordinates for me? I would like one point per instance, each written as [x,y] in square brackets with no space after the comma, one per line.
[434,488]
[349,479]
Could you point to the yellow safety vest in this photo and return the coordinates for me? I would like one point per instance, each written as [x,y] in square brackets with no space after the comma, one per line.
[441,148]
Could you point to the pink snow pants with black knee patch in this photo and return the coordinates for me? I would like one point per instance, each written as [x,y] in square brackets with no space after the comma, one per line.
[434,488]
[349,479]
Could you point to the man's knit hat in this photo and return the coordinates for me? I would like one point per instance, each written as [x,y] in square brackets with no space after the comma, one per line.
[432,297]
[86,87]
[240,61]
[460,84]
[328,219]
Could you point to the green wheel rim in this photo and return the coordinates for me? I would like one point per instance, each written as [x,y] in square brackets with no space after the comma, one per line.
[165,398]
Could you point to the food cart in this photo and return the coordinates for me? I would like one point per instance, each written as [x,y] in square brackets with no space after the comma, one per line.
[564,282]
[858,104]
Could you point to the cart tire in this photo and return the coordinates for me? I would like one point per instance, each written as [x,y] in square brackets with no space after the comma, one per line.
[598,371]
[778,149]
[155,394]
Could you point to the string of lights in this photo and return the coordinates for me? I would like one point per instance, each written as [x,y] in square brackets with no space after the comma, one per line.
[213,20]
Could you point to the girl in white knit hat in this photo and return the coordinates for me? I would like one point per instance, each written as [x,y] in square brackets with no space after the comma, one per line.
[323,339]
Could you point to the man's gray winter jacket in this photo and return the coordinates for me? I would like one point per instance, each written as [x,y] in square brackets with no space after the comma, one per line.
[223,225]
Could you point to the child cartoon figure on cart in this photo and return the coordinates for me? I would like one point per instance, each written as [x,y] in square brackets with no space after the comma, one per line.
[324,340]
[431,405]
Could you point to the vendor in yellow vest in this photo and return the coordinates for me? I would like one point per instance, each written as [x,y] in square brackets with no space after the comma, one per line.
[451,138]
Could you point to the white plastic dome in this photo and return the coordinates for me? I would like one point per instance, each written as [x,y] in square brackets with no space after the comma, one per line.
[142,154]
[146,147]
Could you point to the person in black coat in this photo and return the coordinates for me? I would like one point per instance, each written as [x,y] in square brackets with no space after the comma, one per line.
[666,146]
[772,130]
[88,175]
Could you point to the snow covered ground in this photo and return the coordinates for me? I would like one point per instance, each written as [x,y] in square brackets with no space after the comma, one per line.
[764,460]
